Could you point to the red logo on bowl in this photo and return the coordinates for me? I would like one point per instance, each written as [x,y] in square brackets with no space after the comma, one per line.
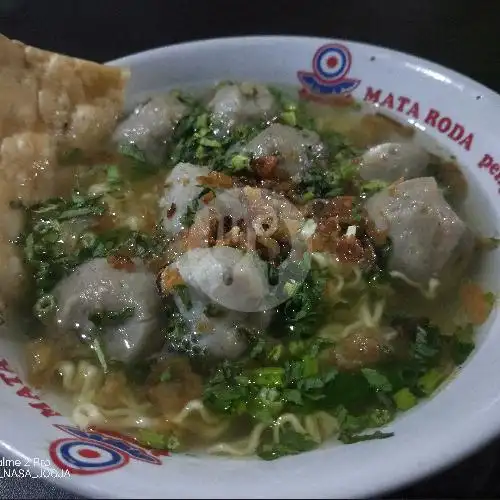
[94,452]
[330,67]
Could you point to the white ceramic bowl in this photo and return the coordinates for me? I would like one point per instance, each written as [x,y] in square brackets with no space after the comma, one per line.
[463,116]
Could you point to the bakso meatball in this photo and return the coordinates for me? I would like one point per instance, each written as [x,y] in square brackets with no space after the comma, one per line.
[233,104]
[210,325]
[181,188]
[150,126]
[229,277]
[296,149]
[97,288]
[392,161]
[427,235]
[224,335]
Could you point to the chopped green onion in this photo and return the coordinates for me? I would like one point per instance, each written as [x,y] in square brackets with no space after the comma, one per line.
[405,399]
[97,347]
[380,416]
[371,187]
[44,307]
[429,382]
[296,347]
[269,395]
[88,239]
[202,121]
[202,132]
[269,377]
[308,196]
[240,162]
[78,212]
[45,226]
[113,173]
[376,379]
[210,143]
[310,367]
[166,376]
[289,118]
[490,298]
[183,293]
[276,352]
[157,440]
[132,151]
[291,287]
[200,152]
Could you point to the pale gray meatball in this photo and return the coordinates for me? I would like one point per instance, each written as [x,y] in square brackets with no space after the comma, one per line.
[150,126]
[229,277]
[97,287]
[426,234]
[210,324]
[297,149]
[392,161]
[233,104]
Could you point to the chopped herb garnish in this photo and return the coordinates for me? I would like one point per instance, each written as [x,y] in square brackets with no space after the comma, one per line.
[132,151]
[184,294]
[240,162]
[335,179]
[347,438]
[198,140]
[376,379]
[187,220]
[138,159]
[104,318]
[289,118]
[405,399]
[301,313]
[490,243]
[156,440]
[290,443]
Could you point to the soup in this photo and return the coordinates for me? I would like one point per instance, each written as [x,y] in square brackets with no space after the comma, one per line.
[250,272]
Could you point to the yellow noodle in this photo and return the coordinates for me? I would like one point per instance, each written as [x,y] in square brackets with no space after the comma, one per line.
[82,379]
[243,448]
[318,426]
[429,292]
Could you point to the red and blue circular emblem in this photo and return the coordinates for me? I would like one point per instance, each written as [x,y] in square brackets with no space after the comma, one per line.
[81,456]
[330,66]
[94,452]
[332,62]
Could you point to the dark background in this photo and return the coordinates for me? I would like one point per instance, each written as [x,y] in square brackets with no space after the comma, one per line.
[463,35]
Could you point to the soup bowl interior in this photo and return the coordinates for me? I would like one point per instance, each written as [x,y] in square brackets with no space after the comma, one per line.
[461,116]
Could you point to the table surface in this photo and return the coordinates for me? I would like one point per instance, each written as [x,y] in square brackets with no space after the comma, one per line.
[463,36]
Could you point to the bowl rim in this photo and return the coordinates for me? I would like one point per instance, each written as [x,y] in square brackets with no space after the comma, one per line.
[485,424]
